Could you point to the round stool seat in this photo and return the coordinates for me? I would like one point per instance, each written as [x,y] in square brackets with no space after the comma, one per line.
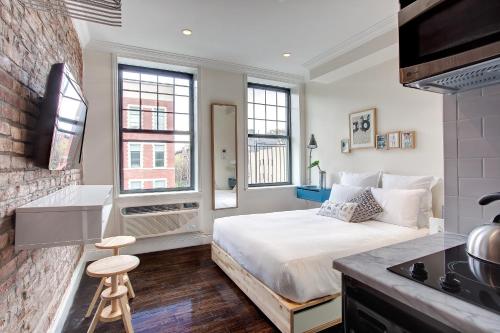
[125,279]
[115,242]
[108,315]
[114,265]
[109,295]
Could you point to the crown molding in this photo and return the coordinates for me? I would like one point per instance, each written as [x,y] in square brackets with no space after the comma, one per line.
[355,41]
[123,50]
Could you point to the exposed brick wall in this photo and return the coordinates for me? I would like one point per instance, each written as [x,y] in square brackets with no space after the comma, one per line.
[31,282]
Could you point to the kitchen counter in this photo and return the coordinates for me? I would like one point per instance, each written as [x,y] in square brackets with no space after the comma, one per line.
[370,268]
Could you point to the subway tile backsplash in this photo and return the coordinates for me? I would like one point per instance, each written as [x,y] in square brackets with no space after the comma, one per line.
[472,156]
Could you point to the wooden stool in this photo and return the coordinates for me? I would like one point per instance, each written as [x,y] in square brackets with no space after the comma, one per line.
[113,267]
[112,243]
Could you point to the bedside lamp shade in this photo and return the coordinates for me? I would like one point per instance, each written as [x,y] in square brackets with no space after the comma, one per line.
[312,143]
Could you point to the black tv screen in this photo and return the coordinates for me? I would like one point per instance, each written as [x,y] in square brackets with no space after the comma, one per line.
[61,124]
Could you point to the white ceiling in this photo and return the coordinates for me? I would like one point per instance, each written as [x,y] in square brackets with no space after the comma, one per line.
[248,32]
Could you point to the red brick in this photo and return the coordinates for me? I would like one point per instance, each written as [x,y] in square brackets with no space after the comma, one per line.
[4,240]
[30,42]
[7,270]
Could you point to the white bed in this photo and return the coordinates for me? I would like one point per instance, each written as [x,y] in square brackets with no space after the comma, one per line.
[292,252]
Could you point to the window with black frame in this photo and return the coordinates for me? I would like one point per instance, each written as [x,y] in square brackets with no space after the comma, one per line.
[269,146]
[156,130]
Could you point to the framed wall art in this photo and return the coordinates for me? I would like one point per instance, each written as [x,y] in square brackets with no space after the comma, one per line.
[345,146]
[408,139]
[381,142]
[393,140]
[362,128]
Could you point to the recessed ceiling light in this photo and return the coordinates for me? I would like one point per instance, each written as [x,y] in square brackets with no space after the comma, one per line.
[187,32]
[287,55]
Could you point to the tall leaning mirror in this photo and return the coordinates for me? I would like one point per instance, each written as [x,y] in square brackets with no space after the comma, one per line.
[224,157]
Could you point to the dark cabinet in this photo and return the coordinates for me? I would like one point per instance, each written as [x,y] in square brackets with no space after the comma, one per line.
[366,310]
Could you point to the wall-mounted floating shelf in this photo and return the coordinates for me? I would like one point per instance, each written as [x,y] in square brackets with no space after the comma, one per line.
[77,214]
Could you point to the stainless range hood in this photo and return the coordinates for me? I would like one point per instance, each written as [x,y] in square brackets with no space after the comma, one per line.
[474,76]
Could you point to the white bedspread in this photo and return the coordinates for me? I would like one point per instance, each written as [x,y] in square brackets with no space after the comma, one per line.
[292,252]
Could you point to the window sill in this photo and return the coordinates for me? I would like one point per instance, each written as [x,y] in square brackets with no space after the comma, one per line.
[191,193]
[271,187]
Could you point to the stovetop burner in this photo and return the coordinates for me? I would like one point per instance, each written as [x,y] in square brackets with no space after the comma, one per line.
[456,273]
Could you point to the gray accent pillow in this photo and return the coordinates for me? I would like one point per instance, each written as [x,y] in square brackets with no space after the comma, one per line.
[367,207]
[339,210]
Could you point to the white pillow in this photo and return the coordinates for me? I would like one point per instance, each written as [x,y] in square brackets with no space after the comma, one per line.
[413,183]
[344,193]
[401,207]
[367,179]
[339,210]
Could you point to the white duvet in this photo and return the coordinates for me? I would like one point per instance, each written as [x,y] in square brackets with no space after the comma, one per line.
[292,252]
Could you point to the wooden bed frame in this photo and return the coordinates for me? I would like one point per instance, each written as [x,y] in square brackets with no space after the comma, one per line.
[289,317]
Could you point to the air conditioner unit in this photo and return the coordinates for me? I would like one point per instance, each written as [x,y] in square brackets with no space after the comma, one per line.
[160,220]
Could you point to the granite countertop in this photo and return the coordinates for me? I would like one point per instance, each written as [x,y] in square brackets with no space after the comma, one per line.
[370,268]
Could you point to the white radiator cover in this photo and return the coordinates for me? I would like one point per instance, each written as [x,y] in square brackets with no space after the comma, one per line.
[172,221]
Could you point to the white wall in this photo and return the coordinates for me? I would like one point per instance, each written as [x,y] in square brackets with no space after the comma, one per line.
[398,108]
[215,86]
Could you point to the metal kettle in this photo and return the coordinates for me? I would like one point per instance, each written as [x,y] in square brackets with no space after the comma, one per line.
[484,240]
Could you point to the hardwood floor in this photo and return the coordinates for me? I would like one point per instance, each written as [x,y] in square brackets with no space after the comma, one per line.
[179,290]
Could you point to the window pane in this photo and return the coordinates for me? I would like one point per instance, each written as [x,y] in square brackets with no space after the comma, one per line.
[260,111]
[148,87]
[270,112]
[166,89]
[260,96]
[250,95]
[166,100]
[149,78]
[260,127]
[270,97]
[281,99]
[182,82]
[250,126]
[250,110]
[267,161]
[131,75]
[182,165]
[165,79]
[180,90]
[282,128]
[181,122]
[131,85]
[282,114]
[181,104]
[130,97]
[271,127]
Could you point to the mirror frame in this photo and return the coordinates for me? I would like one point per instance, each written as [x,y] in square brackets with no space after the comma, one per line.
[212,109]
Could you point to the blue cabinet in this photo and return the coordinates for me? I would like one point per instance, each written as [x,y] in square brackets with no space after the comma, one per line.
[313,193]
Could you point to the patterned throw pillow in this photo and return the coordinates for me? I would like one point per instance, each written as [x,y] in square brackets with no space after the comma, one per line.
[339,210]
[367,207]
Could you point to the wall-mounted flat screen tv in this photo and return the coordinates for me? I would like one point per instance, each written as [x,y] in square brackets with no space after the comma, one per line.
[61,124]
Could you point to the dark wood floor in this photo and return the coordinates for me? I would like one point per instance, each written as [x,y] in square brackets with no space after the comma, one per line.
[179,290]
